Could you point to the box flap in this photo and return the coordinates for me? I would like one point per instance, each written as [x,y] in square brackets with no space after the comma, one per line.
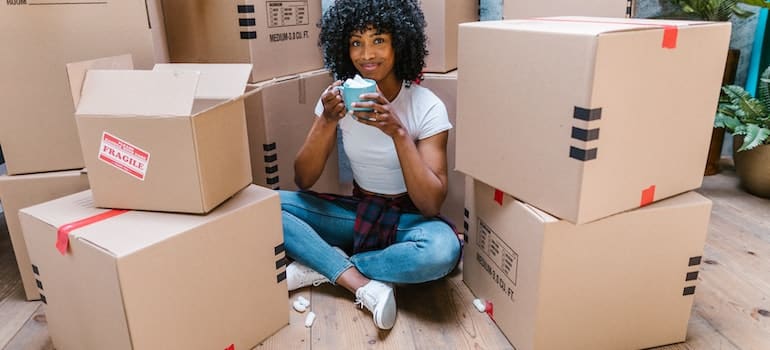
[591,26]
[217,81]
[76,71]
[136,92]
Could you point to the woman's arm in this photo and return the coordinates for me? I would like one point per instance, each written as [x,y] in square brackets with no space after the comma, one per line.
[423,163]
[424,166]
[320,141]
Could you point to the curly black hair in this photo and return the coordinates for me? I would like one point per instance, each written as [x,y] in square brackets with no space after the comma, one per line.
[403,19]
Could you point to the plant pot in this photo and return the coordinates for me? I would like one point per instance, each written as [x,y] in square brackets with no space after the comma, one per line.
[753,168]
[717,136]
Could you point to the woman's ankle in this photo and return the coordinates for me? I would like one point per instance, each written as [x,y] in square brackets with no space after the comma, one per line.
[352,279]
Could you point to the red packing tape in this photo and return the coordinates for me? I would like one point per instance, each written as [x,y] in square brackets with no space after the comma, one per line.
[62,235]
[648,196]
[499,196]
[490,310]
[231,347]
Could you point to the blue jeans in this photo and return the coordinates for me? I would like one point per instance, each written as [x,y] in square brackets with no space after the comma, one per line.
[425,249]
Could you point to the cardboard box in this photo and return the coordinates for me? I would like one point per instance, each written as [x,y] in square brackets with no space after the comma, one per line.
[536,124]
[38,132]
[278,37]
[443,17]
[518,9]
[279,114]
[21,191]
[445,87]
[171,139]
[148,280]
[623,282]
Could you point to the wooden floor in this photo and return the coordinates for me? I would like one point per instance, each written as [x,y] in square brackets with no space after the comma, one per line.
[731,310]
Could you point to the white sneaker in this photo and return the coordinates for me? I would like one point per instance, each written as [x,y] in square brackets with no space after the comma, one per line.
[379,299]
[298,276]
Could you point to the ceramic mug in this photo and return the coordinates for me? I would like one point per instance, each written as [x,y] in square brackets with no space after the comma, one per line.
[351,94]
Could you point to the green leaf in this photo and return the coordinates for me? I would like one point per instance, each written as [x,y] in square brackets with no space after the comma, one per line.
[753,137]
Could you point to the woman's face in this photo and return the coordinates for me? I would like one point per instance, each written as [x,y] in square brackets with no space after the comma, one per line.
[372,54]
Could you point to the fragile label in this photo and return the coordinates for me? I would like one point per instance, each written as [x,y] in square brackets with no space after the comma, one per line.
[124,156]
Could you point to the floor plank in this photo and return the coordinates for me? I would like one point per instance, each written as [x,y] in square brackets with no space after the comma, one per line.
[15,310]
[34,334]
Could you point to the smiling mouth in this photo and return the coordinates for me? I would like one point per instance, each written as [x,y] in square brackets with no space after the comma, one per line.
[369,66]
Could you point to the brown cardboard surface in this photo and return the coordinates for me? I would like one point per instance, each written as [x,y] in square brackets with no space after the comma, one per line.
[38,131]
[280,114]
[21,191]
[278,37]
[192,150]
[518,9]
[442,18]
[519,124]
[616,283]
[158,280]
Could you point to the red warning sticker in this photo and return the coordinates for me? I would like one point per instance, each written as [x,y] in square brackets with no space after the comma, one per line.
[124,156]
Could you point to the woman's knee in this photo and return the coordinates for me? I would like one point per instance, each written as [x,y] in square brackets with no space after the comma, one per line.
[441,248]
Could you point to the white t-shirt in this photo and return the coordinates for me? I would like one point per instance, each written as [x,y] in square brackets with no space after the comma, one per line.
[372,153]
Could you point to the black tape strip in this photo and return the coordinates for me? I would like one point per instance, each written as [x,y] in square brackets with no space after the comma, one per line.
[277,188]
[691,276]
[466,212]
[247,22]
[268,147]
[582,154]
[465,225]
[271,158]
[689,290]
[587,114]
[281,262]
[272,180]
[695,260]
[245,8]
[35,270]
[271,169]
[280,277]
[248,35]
[43,299]
[39,284]
[585,134]
[279,249]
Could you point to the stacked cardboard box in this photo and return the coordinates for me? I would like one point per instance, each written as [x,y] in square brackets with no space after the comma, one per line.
[278,37]
[442,18]
[38,136]
[583,137]
[130,276]
[20,191]
[279,115]
[522,9]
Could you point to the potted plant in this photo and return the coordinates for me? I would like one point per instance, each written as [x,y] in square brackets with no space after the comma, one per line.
[720,11]
[748,119]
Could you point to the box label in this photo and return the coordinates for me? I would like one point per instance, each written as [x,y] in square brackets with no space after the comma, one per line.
[287,13]
[492,250]
[124,156]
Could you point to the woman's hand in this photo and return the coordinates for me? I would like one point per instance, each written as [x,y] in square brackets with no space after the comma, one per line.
[334,106]
[381,116]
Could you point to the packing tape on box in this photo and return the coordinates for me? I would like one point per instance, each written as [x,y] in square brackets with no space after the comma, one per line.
[499,197]
[62,234]
[648,196]
[670,32]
